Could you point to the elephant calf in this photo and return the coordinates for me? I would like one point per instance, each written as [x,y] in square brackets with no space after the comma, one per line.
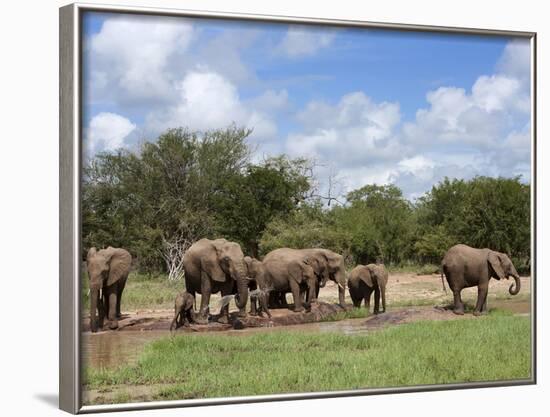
[464,266]
[259,286]
[184,314]
[363,280]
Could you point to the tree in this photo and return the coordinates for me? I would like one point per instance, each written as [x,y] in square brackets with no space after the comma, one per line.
[163,193]
[249,201]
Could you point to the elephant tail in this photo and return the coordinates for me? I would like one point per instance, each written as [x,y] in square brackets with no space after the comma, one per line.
[443,278]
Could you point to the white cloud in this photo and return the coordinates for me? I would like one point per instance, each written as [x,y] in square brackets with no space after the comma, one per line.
[208,101]
[305,41]
[130,57]
[354,131]
[107,131]
[516,60]
[460,133]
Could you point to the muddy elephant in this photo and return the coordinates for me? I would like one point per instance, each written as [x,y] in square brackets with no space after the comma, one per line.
[184,312]
[213,266]
[464,266]
[108,271]
[363,280]
[289,270]
[259,285]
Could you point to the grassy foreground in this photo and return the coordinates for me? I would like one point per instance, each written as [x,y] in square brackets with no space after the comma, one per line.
[496,347]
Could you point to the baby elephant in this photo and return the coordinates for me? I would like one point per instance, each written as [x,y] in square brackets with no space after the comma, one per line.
[259,285]
[184,313]
[363,280]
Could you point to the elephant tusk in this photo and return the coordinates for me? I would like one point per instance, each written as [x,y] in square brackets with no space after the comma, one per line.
[341,286]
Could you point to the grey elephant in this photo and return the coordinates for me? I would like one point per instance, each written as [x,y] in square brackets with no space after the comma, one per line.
[363,280]
[287,270]
[330,266]
[464,266]
[304,271]
[259,285]
[213,266]
[184,313]
[108,271]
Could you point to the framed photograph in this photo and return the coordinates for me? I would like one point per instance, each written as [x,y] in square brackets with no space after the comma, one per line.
[258,208]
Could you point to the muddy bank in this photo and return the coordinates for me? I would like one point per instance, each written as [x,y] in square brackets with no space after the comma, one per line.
[161,320]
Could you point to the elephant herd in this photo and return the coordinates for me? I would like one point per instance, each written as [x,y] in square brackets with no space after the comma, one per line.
[219,265]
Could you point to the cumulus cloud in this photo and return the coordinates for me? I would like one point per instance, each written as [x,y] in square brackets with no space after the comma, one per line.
[208,101]
[305,41]
[461,133]
[107,131]
[131,57]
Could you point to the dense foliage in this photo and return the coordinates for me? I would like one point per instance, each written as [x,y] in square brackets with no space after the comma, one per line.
[189,185]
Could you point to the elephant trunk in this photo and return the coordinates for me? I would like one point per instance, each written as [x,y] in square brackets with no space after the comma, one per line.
[242,287]
[512,290]
[94,298]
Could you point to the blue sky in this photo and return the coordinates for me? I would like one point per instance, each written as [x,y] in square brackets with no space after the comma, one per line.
[367,105]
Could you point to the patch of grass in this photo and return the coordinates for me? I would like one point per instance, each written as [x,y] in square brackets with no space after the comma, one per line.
[495,347]
[354,313]
[142,292]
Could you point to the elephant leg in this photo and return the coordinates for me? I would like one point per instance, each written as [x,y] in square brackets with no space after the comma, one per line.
[174,324]
[206,289]
[312,293]
[264,305]
[224,312]
[295,288]
[253,306]
[121,285]
[367,299]
[383,293]
[482,290]
[377,300]
[105,304]
[459,305]
[112,297]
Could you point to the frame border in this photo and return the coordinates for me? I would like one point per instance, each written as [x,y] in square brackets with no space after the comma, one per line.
[70,163]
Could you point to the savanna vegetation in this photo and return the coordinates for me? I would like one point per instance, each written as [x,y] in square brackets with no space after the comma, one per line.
[305,362]
[188,185]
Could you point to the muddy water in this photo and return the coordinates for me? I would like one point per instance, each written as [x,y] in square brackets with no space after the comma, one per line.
[113,349]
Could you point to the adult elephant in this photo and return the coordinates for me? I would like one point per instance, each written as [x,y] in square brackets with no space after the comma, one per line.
[289,269]
[108,271]
[363,280]
[212,266]
[464,266]
[330,266]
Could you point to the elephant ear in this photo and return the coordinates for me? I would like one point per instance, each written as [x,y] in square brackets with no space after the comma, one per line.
[366,276]
[119,261]
[211,262]
[496,264]
[189,301]
[297,270]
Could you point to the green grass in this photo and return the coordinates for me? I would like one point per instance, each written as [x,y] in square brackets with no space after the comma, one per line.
[495,347]
[354,313]
[142,292]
